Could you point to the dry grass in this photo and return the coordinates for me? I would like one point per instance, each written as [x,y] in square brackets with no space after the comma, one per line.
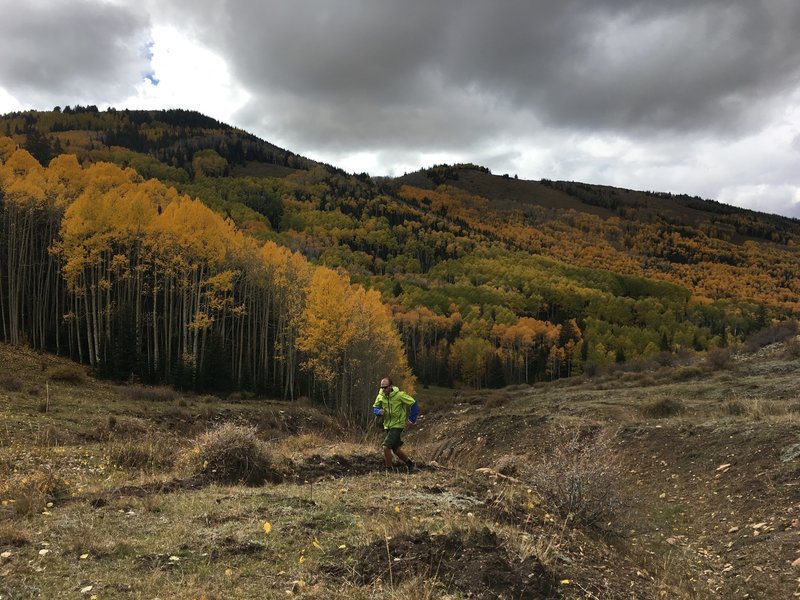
[231,454]
[152,453]
[31,493]
[663,408]
[68,373]
[138,527]
[151,393]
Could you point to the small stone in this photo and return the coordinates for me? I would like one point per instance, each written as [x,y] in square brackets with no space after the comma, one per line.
[733,529]
[759,525]
[724,467]
[796,563]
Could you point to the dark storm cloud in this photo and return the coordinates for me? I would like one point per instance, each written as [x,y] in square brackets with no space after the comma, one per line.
[421,72]
[70,52]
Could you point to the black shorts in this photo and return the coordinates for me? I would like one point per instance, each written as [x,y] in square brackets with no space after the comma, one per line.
[392,439]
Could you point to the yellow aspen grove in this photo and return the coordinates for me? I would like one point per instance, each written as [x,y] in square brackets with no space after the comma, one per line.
[288,276]
[347,339]
[27,218]
[7,148]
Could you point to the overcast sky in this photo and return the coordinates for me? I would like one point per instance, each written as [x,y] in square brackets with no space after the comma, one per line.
[688,96]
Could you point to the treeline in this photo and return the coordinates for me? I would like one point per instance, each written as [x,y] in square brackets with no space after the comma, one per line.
[170,136]
[141,282]
[492,281]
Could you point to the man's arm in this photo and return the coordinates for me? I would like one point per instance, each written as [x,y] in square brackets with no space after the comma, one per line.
[413,412]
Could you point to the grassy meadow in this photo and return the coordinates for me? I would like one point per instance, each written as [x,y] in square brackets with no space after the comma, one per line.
[670,480]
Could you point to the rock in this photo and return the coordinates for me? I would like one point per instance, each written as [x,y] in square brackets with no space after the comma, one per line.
[733,529]
[723,468]
[790,453]
[796,563]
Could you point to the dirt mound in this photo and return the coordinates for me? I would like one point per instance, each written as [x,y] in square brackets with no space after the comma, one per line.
[316,466]
[474,563]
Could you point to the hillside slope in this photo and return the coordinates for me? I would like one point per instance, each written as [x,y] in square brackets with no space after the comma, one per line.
[491,280]
[677,483]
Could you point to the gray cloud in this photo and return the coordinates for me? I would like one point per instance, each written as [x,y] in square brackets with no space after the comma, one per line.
[633,67]
[71,52]
[686,95]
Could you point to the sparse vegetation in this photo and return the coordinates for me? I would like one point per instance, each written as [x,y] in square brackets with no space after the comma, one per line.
[579,483]
[158,393]
[579,479]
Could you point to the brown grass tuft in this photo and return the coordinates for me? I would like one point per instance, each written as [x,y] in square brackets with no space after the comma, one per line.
[30,493]
[149,454]
[663,408]
[231,454]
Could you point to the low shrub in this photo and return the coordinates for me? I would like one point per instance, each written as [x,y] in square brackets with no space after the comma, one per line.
[11,384]
[579,478]
[662,408]
[792,349]
[719,359]
[124,425]
[11,535]
[757,409]
[686,373]
[147,393]
[779,332]
[67,374]
[231,454]
[508,465]
[735,408]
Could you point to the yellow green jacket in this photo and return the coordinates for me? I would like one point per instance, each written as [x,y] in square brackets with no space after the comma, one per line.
[397,408]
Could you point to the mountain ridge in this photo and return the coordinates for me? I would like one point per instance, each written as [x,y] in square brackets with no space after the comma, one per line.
[487,276]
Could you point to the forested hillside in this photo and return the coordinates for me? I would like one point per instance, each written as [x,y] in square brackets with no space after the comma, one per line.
[490,280]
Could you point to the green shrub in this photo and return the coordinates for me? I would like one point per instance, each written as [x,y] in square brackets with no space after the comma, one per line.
[231,454]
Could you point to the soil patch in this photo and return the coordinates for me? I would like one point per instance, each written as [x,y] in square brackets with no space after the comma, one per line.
[474,563]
